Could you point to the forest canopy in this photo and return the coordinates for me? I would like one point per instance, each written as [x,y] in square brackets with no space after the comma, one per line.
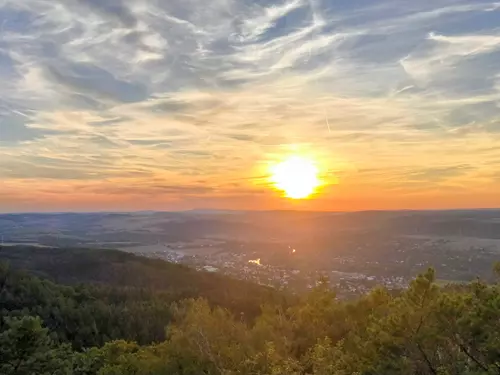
[103,329]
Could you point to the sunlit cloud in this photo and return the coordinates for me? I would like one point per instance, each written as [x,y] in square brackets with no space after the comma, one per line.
[180,104]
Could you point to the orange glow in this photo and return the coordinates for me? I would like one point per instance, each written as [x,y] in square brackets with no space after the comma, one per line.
[297,177]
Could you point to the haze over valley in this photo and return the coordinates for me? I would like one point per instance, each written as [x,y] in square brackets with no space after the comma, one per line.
[284,249]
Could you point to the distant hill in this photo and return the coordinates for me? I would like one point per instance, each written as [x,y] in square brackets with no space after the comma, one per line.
[146,228]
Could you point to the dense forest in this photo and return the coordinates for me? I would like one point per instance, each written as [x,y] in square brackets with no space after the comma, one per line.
[85,312]
[118,275]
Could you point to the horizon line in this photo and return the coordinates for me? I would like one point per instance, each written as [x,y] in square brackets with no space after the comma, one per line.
[248,210]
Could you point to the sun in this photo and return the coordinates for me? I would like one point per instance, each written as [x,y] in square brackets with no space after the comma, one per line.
[296,176]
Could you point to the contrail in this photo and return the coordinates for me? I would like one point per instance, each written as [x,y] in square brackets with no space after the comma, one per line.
[327,122]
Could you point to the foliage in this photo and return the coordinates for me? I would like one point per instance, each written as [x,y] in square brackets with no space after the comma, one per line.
[123,296]
[423,330]
[27,349]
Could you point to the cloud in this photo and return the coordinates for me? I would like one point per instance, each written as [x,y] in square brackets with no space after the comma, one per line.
[114,9]
[15,128]
[157,94]
[436,174]
[151,190]
[265,19]
[85,79]
[441,53]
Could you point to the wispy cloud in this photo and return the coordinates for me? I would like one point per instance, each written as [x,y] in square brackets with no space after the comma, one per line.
[443,53]
[114,99]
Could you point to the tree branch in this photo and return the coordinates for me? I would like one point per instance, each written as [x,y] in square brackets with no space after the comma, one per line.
[474,359]
[426,359]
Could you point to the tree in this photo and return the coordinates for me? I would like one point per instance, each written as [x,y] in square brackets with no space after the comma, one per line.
[203,340]
[422,330]
[26,349]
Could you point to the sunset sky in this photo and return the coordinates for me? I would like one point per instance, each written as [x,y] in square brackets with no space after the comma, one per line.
[180,104]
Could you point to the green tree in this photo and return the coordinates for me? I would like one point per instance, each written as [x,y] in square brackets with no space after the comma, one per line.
[26,349]
[207,341]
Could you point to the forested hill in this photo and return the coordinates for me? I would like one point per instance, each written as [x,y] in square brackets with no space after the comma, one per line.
[88,297]
[120,269]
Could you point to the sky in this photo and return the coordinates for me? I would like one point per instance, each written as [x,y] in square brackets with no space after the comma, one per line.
[180,104]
